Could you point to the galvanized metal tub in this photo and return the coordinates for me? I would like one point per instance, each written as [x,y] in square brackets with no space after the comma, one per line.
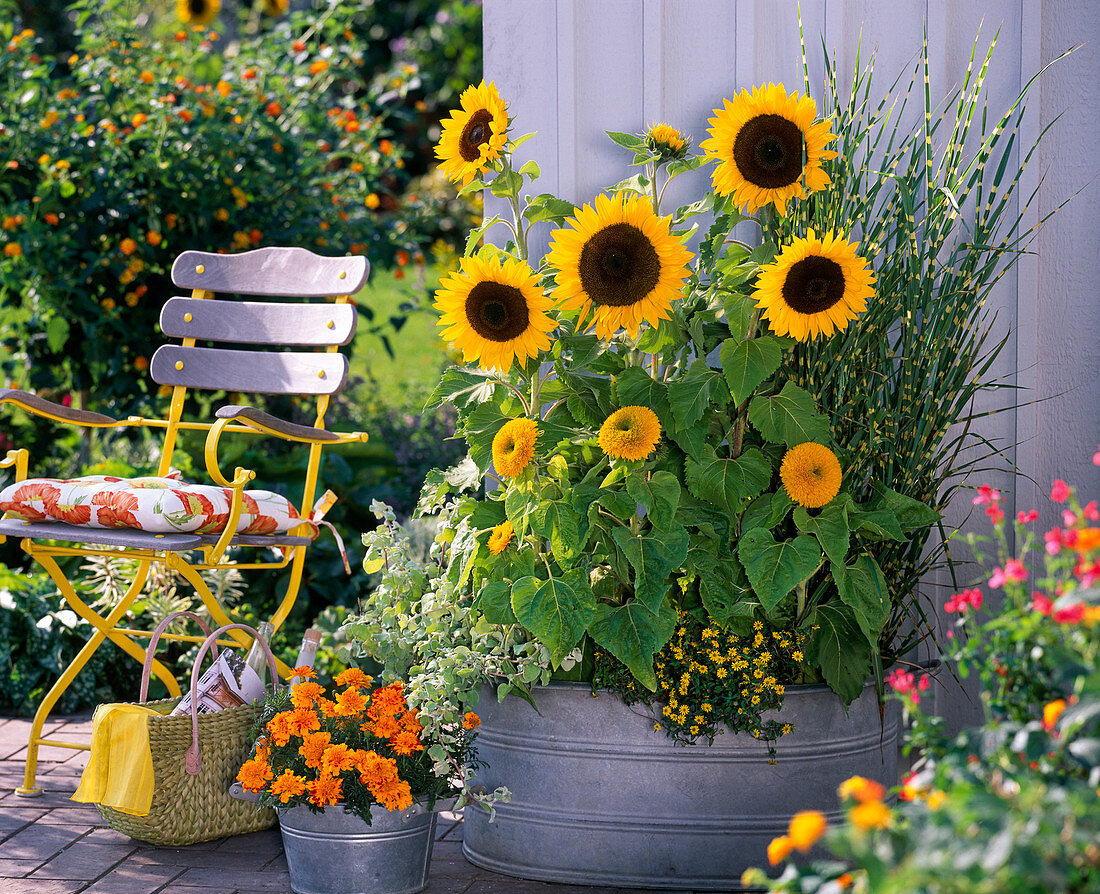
[600,798]
[335,852]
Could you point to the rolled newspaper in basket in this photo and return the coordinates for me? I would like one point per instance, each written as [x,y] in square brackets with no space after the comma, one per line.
[147,668]
[193,763]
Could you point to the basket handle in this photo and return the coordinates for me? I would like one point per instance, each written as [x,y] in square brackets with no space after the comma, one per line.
[193,763]
[146,670]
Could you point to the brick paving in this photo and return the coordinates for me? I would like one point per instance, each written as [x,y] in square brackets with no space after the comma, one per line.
[52,845]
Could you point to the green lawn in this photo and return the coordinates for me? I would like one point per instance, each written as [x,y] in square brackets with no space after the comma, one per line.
[404,379]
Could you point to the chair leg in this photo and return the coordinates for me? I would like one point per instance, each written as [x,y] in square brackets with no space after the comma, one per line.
[103,631]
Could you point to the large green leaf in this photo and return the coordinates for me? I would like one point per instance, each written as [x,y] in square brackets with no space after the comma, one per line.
[728,482]
[634,387]
[557,611]
[691,395]
[830,527]
[875,524]
[789,417]
[862,587]
[634,634]
[724,589]
[839,648]
[462,387]
[766,511]
[561,525]
[495,602]
[652,558]
[748,363]
[774,568]
[660,495]
[911,514]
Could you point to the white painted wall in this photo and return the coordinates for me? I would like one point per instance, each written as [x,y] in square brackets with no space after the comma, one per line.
[571,69]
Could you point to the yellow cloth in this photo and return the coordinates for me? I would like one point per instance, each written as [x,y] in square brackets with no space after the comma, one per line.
[119,773]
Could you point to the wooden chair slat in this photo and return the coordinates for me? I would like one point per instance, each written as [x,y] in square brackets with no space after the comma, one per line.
[253,372]
[290,272]
[290,429]
[250,322]
[258,540]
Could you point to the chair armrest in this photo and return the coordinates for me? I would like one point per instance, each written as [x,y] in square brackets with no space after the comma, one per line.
[289,431]
[58,412]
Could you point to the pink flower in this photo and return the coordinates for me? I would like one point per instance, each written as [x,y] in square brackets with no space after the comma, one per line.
[987,495]
[960,602]
[1024,517]
[1092,513]
[998,579]
[1096,458]
[1042,604]
[1069,537]
[923,683]
[1059,491]
[1068,518]
[1015,570]
[1071,615]
[995,513]
[1086,573]
[1053,538]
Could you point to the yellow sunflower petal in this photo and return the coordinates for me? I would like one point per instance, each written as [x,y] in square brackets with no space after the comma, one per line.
[514,446]
[630,433]
[475,135]
[811,474]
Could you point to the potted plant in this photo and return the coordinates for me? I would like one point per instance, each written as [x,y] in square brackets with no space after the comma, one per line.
[660,499]
[346,767]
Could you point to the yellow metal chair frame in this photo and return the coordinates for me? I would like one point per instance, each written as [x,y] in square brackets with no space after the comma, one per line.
[319,374]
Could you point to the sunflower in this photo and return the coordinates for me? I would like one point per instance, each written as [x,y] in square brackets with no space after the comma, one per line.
[815,287]
[494,312]
[275,8]
[666,142]
[501,537]
[811,474]
[757,141]
[474,136]
[619,260]
[630,433]
[197,12]
[514,445]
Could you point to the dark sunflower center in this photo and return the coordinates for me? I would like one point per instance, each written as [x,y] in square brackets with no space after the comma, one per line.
[196,7]
[768,151]
[619,266]
[813,284]
[475,133]
[496,312]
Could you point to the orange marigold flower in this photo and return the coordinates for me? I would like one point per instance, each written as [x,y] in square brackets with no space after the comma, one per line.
[141,364]
[263,750]
[249,74]
[278,727]
[471,721]
[385,726]
[859,789]
[302,721]
[779,849]
[146,77]
[139,119]
[185,115]
[338,758]
[402,257]
[410,724]
[274,109]
[353,676]
[350,703]
[154,238]
[313,748]
[224,88]
[127,246]
[406,742]
[385,147]
[254,774]
[298,46]
[325,790]
[303,695]
[305,672]
[13,249]
[393,794]
[327,707]
[288,785]
[806,828]
[317,67]
[51,219]
[371,765]
[870,815]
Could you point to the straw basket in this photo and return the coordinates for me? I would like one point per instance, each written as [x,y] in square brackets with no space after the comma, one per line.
[195,759]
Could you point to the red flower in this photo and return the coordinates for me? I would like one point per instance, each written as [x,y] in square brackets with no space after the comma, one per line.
[37,490]
[1059,491]
[72,514]
[986,495]
[116,509]
[1042,604]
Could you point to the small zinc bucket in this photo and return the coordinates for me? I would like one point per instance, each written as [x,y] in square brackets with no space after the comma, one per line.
[335,852]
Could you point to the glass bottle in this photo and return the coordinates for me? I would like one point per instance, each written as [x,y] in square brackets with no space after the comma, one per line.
[307,653]
[257,659]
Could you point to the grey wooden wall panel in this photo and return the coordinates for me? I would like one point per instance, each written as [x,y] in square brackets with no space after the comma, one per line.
[695,52]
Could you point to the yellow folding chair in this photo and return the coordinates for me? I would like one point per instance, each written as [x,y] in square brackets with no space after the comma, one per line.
[201,321]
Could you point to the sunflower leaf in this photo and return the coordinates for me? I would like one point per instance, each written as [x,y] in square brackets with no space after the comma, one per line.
[495,602]
[531,169]
[839,648]
[766,511]
[546,207]
[660,496]
[475,234]
[830,527]
[725,590]
[636,388]
[775,568]
[462,386]
[862,586]
[627,140]
[652,558]
[557,611]
[479,428]
[739,310]
[748,363]
[506,184]
[638,183]
[912,515]
[729,483]
[634,634]
[789,417]
[690,396]
[557,522]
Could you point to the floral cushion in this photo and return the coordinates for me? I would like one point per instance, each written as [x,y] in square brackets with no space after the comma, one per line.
[158,505]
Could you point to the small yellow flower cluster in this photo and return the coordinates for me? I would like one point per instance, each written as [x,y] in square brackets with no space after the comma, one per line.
[709,677]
